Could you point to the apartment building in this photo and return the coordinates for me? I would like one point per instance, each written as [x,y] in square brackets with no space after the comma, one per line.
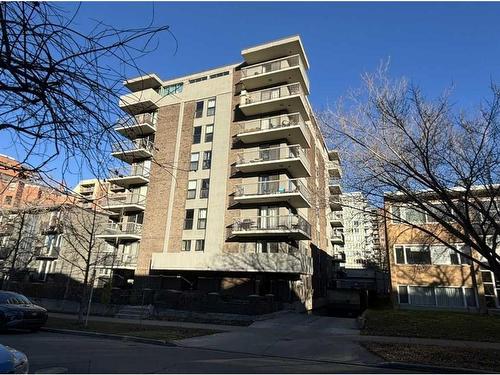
[360,231]
[427,274]
[225,179]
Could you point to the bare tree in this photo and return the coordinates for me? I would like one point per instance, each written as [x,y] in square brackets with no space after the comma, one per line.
[60,86]
[442,163]
[82,249]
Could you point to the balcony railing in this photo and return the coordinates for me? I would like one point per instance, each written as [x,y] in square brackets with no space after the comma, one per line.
[120,260]
[126,199]
[271,94]
[337,237]
[285,186]
[51,227]
[271,66]
[128,145]
[273,154]
[133,170]
[336,216]
[123,228]
[85,190]
[275,122]
[272,223]
[143,118]
[6,229]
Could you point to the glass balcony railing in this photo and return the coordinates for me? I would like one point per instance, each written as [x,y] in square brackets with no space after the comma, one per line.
[143,118]
[277,187]
[273,154]
[133,170]
[336,216]
[271,94]
[278,223]
[113,228]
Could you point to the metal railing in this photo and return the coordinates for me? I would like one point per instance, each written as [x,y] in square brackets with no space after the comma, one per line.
[137,144]
[285,248]
[272,93]
[123,228]
[273,66]
[334,181]
[55,226]
[120,259]
[333,164]
[84,190]
[337,236]
[133,170]
[272,223]
[273,153]
[125,198]
[275,187]
[143,118]
[336,216]
[275,122]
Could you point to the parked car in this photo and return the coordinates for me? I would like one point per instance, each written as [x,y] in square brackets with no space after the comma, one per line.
[13,361]
[17,311]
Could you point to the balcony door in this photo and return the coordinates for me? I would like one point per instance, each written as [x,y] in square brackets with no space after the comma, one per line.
[268,184]
[268,217]
[268,152]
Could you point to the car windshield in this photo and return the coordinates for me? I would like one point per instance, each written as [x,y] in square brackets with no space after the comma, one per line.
[13,299]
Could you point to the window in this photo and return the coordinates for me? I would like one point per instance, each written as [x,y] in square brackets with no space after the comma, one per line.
[209,133]
[188,222]
[400,254]
[199,109]
[200,245]
[418,255]
[197,135]
[202,218]
[211,107]
[216,75]
[205,186]
[199,79]
[186,245]
[195,158]
[171,89]
[207,159]
[403,294]
[191,193]
[422,295]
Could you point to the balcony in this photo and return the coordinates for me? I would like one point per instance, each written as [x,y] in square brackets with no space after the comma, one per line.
[339,257]
[334,185]
[290,158]
[122,231]
[334,169]
[86,189]
[337,237]
[290,127]
[125,202]
[6,229]
[129,151]
[119,260]
[53,227]
[125,177]
[284,70]
[287,259]
[282,98]
[335,204]
[289,226]
[140,101]
[336,219]
[292,191]
[137,126]
[47,253]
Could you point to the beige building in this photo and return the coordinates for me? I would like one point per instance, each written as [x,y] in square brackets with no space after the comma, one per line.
[225,185]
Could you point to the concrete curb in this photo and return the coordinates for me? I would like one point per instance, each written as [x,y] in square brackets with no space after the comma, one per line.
[430,368]
[109,336]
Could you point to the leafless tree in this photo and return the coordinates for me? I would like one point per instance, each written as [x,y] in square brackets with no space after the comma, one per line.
[60,86]
[441,162]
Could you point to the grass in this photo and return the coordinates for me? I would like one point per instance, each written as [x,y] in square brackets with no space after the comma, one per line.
[470,358]
[126,329]
[432,324]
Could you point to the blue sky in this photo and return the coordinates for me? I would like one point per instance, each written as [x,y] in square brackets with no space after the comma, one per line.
[433,44]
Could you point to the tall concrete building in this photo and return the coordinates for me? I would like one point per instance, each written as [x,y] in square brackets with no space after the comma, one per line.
[225,185]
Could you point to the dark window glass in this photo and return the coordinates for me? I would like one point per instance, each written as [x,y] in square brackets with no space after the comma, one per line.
[200,245]
[193,165]
[207,159]
[199,110]
[197,135]
[188,222]
[202,218]
[205,186]
[186,245]
[191,193]
[400,258]
[454,257]
[470,297]
[403,294]
[209,133]
[211,107]
[418,255]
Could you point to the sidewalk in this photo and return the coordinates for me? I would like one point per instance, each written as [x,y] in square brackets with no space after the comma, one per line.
[162,323]
[425,341]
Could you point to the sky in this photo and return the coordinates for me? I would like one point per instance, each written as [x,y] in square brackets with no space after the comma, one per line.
[435,45]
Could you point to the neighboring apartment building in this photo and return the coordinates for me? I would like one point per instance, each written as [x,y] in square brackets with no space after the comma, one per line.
[226,179]
[360,231]
[427,274]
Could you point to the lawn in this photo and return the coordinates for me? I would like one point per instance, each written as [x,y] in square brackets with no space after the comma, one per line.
[126,329]
[478,359]
[432,324]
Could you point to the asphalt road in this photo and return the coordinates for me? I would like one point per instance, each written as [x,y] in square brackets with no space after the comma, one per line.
[62,353]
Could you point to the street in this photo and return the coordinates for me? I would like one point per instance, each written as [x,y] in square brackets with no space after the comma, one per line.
[259,349]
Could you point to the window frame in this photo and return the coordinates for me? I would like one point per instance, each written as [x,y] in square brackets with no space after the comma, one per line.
[186,248]
[198,109]
[207,162]
[204,191]
[197,130]
[188,221]
[194,165]
[209,134]
[193,191]
[211,109]
[201,219]
[197,248]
